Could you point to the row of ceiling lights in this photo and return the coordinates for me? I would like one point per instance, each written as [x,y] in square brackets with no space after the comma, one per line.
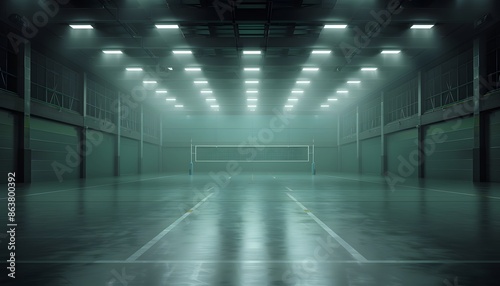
[169,26]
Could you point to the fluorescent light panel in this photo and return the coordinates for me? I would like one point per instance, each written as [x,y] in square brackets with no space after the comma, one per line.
[353,81]
[252,106]
[297,91]
[252,91]
[342,91]
[336,26]
[310,69]
[210,99]
[192,69]
[178,52]
[161,91]
[170,99]
[293,99]
[368,69]
[321,51]
[134,69]
[81,26]
[325,105]
[149,81]
[303,81]
[251,81]
[288,106]
[251,52]
[164,26]
[252,99]
[200,81]
[214,106]
[179,105]
[115,52]
[391,51]
[251,69]
[206,91]
[422,26]
[333,99]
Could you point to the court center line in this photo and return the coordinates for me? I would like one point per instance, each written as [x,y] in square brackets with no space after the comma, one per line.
[164,232]
[418,188]
[88,187]
[451,261]
[353,252]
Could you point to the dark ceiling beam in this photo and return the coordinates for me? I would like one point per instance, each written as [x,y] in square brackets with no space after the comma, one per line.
[209,15]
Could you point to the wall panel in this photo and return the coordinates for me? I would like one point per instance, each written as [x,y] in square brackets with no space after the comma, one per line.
[129,157]
[401,150]
[101,161]
[7,144]
[493,151]
[370,156]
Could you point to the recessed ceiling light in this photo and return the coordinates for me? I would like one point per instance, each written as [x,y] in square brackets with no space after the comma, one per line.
[293,99]
[179,105]
[303,81]
[149,81]
[252,91]
[288,106]
[297,91]
[161,91]
[342,91]
[335,26]
[163,26]
[134,69]
[170,99]
[206,91]
[252,106]
[353,81]
[115,52]
[251,52]
[170,68]
[252,99]
[422,26]
[368,69]
[251,81]
[391,51]
[310,69]
[321,51]
[252,69]
[81,26]
[182,52]
[200,81]
[333,99]
[325,105]
[192,69]
[214,106]
[210,99]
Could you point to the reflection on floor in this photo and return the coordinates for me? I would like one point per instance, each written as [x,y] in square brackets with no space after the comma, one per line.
[255,229]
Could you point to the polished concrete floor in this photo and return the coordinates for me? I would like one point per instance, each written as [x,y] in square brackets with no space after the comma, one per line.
[255,229]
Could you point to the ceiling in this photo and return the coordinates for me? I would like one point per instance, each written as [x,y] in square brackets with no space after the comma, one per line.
[286,33]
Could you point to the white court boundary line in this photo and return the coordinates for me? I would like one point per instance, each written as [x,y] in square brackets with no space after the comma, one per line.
[257,261]
[353,252]
[82,188]
[164,232]
[418,188]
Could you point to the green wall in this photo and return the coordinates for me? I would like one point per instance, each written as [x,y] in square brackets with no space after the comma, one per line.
[101,160]
[129,158]
[211,129]
[349,158]
[493,152]
[370,156]
[151,158]
[7,144]
[401,149]
[448,149]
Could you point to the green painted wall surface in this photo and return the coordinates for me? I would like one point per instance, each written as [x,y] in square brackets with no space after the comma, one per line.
[401,151]
[348,158]
[251,130]
[449,150]
[151,159]
[129,157]
[101,161]
[7,144]
[53,144]
[370,156]
[493,151]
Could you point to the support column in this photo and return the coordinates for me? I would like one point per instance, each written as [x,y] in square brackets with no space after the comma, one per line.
[383,157]
[83,136]
[358,147]
[420,129]
[141,141]
[161,144]
[118,135]
[24,125]
[339,152]
[479,159]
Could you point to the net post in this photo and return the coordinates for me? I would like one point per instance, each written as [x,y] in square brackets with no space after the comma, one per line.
[191,161]
[313,165]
